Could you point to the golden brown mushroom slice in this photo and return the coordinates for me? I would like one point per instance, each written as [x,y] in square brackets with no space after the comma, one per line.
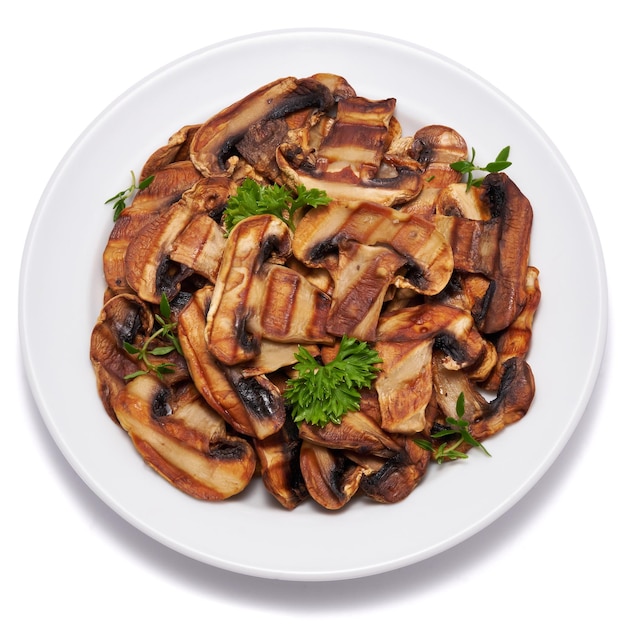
[351,162]
[176,149]
[497,248]
[405,342]
[185,442]
[279,461]
[252,405]
[331,478]
[149,267]
[167,187]
[256,298]
[407,250]
[393,479]
[213,146]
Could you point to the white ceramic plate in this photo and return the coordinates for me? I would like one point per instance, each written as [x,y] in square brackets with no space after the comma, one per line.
[251,534]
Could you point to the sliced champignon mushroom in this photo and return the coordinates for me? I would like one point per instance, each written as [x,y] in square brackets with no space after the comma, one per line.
[279,461]
[514,341]
[435,147]
[357,433]
[350,162]
[394,479]
[323,239]
[497,248]
[176,149]
[405,341]
[212,148]
[331,478]
[200,246]
[150,271]
[123,319]
[255,299]
[252,405]
[185,443]
[513,398]
[168,186]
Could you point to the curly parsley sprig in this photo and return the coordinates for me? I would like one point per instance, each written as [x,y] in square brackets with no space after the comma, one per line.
[501,162]
[119,199]
[325,393]
[458,427]
[255,199]
[165,331]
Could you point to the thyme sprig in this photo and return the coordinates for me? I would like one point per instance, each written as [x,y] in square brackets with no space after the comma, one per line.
[164,331]
[119,199]
[458,427]
[501,162]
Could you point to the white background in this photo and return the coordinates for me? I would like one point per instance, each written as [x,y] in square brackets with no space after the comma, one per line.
[557,556]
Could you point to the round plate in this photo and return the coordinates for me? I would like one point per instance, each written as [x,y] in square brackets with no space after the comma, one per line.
[62,289]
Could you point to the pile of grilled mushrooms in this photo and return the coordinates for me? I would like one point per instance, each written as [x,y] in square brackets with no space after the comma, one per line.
[433,274]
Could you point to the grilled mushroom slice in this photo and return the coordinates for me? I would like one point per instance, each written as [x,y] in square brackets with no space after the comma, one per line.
[167,187]
[396,477]
[325,237]
[351,161]
[497,248]
[252,405]
[255,299]
[184,441]
[123,319]
[331,478]
[150,271]
[486,418]
[176,149]
[212,148]
[279,461]
[405,341]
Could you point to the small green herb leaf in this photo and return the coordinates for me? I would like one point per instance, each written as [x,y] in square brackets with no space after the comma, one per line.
[255,199]
[119,200]
[500,163]
[459,428]
[325,393]
[166,332]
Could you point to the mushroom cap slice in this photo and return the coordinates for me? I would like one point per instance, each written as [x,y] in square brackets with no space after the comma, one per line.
[351,162]
[498,248]
[213,143]
[426,254]
[184,442]
[252,405]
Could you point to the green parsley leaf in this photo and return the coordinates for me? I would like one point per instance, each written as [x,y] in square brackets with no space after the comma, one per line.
[325,393]
[255,199]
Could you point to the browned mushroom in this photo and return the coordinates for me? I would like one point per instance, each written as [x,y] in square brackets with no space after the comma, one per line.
[150,271]
[212,148]
[331,478]
[183,440]
[252,405]
[396,477]
[168,186]
[405,341]
[497,248]
[256,299]
[279,461]
[351,162]
[323,239]
[176,149]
